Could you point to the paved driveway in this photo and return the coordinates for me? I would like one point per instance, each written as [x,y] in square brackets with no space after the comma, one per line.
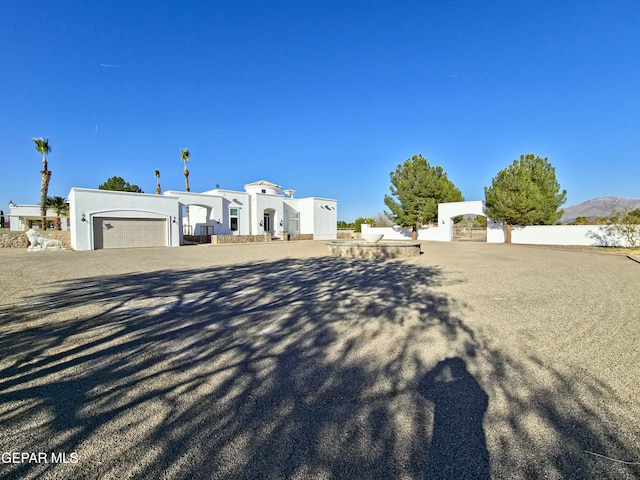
[276,361]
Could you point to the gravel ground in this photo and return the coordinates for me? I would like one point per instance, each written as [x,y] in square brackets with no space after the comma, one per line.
[276,361]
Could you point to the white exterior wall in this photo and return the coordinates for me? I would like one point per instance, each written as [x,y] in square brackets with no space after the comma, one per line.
[325,219]
[17,211]
[269,188]
[561,235]
[274,204]
[239,200]
[404,233]
[204,210]
[531,235]
[105,203]
[306,215]
[319,216]
[496,232]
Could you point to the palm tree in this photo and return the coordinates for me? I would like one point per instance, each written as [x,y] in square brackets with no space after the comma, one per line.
[59,205]
[42,146]
[185,157]
[157,174]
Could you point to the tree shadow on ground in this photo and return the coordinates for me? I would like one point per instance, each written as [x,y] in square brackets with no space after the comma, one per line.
[314,368]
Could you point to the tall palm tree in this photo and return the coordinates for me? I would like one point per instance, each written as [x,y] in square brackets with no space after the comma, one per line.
[59,205]
[157,174]
[42,146]
[185,157]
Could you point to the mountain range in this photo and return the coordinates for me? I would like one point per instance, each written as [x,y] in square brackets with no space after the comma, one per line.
[598,207]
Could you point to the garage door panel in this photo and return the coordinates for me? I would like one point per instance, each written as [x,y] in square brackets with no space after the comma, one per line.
[129,232]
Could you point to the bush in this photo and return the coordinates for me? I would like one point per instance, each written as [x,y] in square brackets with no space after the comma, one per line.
[357,224]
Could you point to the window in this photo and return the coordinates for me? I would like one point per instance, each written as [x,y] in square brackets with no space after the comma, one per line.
[264,191]
[293,222]
[233,219]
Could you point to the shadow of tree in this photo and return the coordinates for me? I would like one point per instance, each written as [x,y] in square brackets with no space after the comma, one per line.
[312,368]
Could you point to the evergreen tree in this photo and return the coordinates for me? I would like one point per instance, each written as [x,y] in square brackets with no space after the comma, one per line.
[118,184]
[418,188]
[525,193]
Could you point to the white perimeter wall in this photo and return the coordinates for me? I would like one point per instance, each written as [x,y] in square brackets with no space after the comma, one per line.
[564,235]
[496,231]
[532,235]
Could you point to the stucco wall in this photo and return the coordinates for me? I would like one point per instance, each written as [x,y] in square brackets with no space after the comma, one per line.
[319,217]
[594,235]
[204,210]
[104,203]
[274,205]
[18,211]
[242,202]
[565,235]
[404,233]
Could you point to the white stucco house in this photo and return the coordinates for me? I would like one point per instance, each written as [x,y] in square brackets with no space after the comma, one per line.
[23,217]
[108,219]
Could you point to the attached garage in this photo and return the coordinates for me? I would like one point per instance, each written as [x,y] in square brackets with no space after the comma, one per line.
[129,232]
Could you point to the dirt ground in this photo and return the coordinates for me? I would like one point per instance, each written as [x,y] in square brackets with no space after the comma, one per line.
[275,360]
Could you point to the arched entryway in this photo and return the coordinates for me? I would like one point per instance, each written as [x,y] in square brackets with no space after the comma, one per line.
[470,228]
[268,221]
[447,212]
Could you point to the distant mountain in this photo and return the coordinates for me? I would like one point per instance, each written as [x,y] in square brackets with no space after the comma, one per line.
[598,207]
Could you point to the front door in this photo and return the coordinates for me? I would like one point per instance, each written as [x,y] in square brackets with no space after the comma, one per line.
[267,222]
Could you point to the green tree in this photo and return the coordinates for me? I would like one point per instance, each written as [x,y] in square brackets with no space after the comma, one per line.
[59,205]
[185,156]
[42,147]
[157,175]
[418,188]
[119,184]
[480,221]
[525,193]
[357,223]
[581,221]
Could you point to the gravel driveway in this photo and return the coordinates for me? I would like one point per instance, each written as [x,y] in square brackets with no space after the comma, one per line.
[276,361]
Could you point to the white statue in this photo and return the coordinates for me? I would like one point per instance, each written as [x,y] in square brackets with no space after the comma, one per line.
[38,242]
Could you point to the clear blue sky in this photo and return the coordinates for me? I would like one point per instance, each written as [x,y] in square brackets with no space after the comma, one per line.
[324,97]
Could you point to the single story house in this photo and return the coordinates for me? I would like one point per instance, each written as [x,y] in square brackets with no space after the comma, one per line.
[24,217]
[108,219]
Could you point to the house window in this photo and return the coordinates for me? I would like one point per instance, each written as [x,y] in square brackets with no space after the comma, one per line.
[264,191]
[233,219]
[293,222]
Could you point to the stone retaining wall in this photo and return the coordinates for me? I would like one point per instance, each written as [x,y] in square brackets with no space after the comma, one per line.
[379,251]
[218,239]
[298,236]
[9,239]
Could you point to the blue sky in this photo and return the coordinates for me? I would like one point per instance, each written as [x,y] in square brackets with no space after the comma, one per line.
[324,97]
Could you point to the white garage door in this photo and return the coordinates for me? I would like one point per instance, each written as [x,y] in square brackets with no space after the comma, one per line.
[129,232]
